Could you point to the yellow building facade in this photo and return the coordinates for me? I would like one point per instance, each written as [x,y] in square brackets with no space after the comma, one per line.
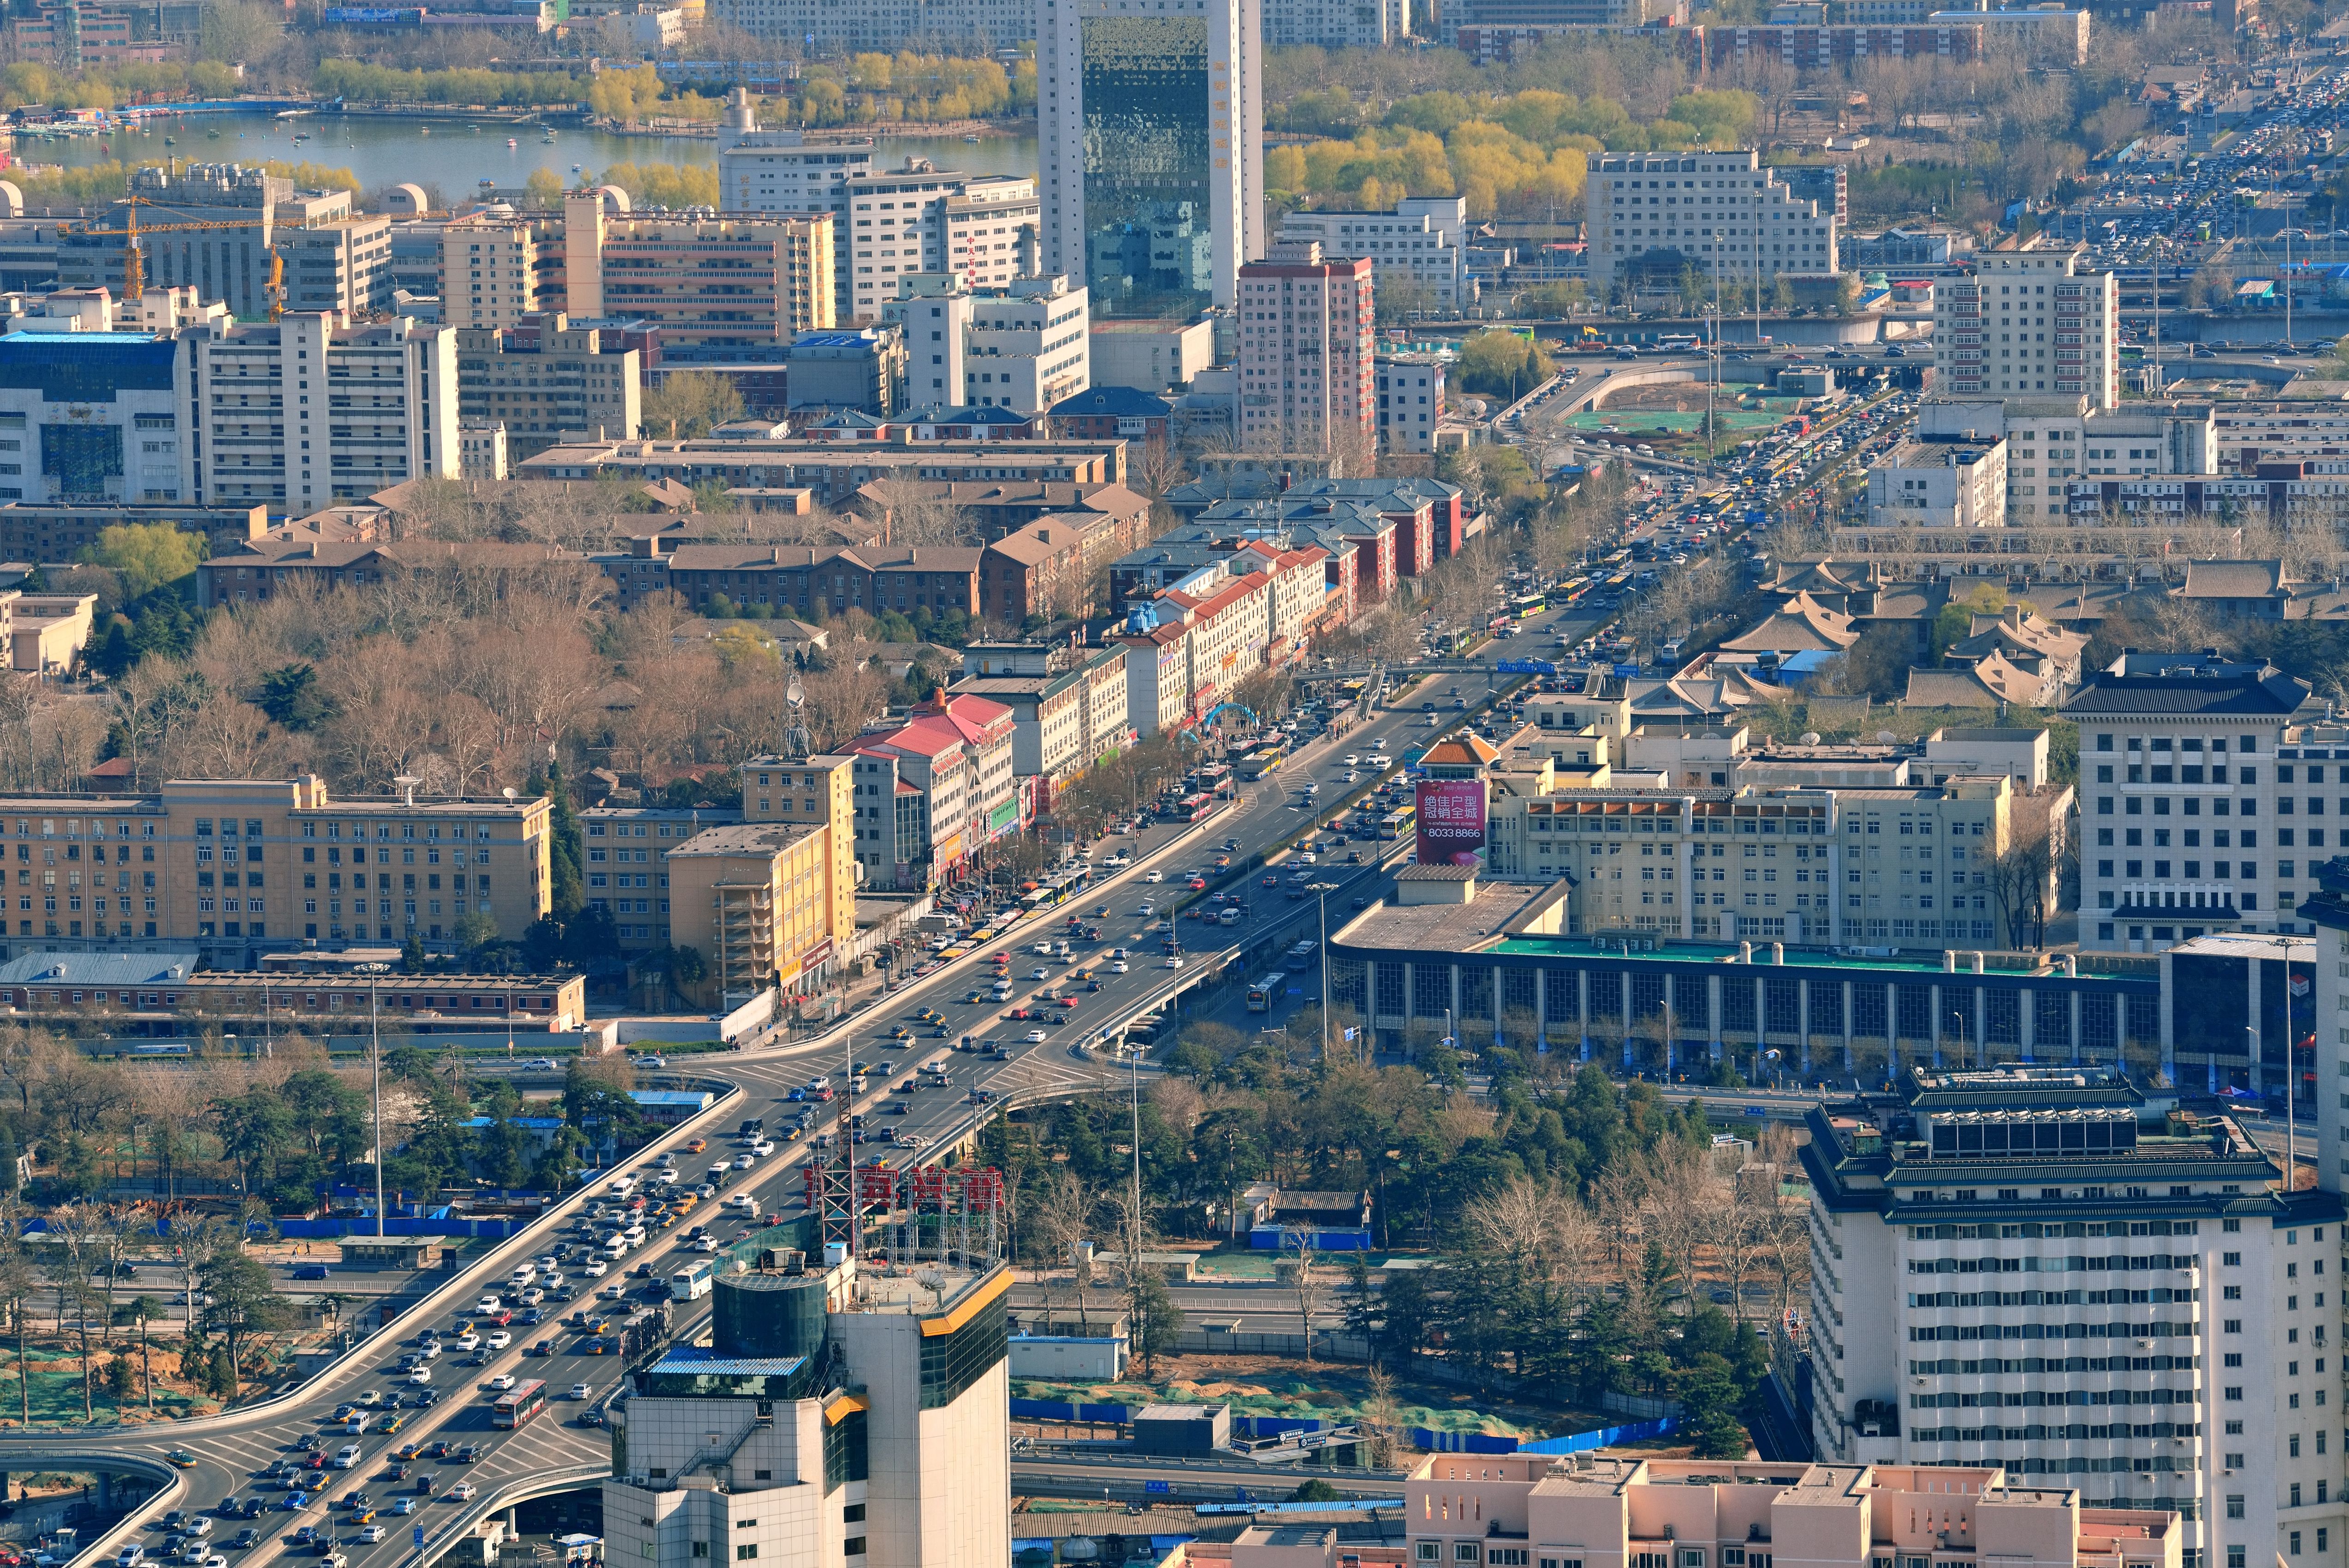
[226,866]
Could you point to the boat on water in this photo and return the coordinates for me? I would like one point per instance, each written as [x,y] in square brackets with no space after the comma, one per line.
[972,139]
[511,142]
[211,136]
[169,142]
[547,141]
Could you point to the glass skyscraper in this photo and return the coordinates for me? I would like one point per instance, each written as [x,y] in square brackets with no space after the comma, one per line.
[1152,154]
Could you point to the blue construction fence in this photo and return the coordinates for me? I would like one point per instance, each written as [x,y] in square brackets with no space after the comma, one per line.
[1421,1438]
[1572,1443]
[438,1222]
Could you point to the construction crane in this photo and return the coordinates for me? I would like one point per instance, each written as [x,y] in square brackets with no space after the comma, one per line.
[134,268]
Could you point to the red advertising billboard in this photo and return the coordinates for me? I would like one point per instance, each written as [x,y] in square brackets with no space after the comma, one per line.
[1451,821]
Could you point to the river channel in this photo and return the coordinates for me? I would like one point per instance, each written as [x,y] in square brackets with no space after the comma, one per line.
[456,157]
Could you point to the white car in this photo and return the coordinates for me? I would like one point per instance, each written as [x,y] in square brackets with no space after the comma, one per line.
[582,1391]
[500,1339]
[745,1161]
[1034,1036]
[464,1492]
[763,1147]
[532,1296]
[373,1532]
[490,1304]
[1174,960]
[553,1281]
[705,1243]
[1120,966]
[346,1455]
[596,1268]
[469,1340]
[372,1398]
[420,1376]
[502,1381]
[1352,760]
[1154,875]
[613,1293]
[430,1350]
[1040,973]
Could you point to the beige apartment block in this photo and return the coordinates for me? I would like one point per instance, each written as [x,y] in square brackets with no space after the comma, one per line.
[732,280]
[1544,1511]
[225,865]
[489,270]
[772,899]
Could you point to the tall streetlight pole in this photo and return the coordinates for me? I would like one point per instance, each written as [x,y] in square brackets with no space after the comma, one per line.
[374,1072]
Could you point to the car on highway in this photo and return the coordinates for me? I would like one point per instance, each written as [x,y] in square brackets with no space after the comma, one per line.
[346,1455]
[1154,875]
[1034,1036]
[582,1391]
[181,1458]
[501,1382]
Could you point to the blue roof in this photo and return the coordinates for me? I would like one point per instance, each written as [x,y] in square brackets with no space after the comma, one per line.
[833,341]
[98,969]
[699,1361]
[1125,402]
[533,1124]
[697,1098]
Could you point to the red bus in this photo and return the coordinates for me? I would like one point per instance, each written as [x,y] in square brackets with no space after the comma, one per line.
[1197,807]
[518,1404]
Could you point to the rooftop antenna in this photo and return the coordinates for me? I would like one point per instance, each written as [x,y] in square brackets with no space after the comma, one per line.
[408,783]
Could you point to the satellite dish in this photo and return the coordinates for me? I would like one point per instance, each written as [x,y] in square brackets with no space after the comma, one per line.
[795,694]
[1810,737]
[1885,737]
[510,792]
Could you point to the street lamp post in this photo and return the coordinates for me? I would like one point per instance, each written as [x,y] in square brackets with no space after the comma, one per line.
[374,1072]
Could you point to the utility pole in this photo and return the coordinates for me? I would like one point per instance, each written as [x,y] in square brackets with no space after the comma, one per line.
[374,1072]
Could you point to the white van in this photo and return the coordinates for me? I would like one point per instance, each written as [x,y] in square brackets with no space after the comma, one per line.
[615,1248]
[621,1186]
[743,1201]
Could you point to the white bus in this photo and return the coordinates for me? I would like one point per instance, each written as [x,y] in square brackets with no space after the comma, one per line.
[690,1283]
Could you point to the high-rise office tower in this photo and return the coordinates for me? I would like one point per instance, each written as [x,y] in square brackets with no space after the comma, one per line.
[1152,150]
[843,1417]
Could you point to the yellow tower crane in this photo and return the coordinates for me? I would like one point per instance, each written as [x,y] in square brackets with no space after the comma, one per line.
[134,267]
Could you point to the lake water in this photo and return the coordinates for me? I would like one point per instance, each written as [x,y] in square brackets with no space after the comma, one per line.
[382,151]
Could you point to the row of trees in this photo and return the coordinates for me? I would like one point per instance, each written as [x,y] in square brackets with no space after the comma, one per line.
[1587,1238]
[280,1123]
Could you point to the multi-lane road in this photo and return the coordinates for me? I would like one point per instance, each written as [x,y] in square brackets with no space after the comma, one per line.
[237,1454]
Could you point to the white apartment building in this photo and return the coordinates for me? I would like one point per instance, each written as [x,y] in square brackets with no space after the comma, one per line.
[931,790]
[920,220]
[863,1429]
[1423,241]
[1029,346]
[783,172]
[1758,853]
[2193,820]
[1069,707]
[1410,401]
[1152,149]
[489,270]
[307,411]
[2069,438]
[2029,321]
[1722,213]
[1021,345]
[1940,483]
[832,32]
[1335,24]
[1308,382]
[2182,1370]
[1187,647]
